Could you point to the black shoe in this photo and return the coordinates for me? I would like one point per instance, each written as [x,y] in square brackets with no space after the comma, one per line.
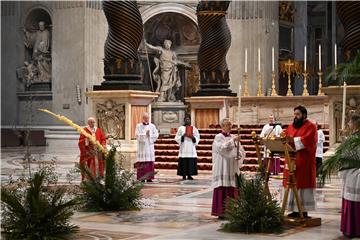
[190,178]
[142,180]
[221,217]
[305,214]
[294,215]
[184,177]
[149,180]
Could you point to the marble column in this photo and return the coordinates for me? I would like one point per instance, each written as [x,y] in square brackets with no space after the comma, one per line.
[215,43]
[253,25]
[301,23]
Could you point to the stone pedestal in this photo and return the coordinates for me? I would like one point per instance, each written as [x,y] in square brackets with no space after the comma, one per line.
[133,103]
[208,110]
[335,94]
[167,115]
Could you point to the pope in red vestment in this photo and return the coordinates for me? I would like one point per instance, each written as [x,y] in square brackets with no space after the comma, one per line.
[302,135]
[88,152]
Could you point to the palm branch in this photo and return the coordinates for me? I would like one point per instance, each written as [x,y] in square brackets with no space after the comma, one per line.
[347,156]
[39,214]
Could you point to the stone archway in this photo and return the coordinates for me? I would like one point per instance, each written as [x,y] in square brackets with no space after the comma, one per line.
[187,11]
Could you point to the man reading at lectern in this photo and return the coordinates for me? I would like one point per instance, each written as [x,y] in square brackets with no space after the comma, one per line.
[302,136]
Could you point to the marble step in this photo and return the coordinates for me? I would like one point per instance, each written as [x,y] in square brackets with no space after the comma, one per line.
[208,136]
[203,166]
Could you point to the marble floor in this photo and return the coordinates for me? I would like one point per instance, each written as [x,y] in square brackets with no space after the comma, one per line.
[173,209]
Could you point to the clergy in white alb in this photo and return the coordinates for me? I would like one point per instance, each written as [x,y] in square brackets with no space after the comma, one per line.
[188,138]
[270,130]
[146,135]
[227,157]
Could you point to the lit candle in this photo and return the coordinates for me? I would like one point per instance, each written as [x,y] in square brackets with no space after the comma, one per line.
[239,105]
[319,57]
[246,60]
[343,107]
[335,55]
[258,59]
[305,58]
[272,53]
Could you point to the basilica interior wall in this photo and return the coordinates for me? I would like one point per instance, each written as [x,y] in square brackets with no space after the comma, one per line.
[10,35]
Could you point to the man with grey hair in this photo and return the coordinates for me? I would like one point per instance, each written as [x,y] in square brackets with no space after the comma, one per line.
[227,156]
[146,135]
[88,152]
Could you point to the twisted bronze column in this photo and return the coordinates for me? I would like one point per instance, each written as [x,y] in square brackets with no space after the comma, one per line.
[122,65]
[349,14]
[215,43]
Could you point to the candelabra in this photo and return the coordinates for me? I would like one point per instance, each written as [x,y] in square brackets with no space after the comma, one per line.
[289,64]
[320,93]
[259,79]
[305,92]
[246,90]
[273,89]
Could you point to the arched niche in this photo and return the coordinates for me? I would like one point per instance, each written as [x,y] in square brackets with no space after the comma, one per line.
[36,72]
[178,28]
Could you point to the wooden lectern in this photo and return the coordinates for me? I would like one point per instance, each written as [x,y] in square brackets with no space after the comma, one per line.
[279,145]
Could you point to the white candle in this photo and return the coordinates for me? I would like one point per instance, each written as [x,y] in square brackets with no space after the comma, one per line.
[258,59]
[246,60]
[343,107]
[335,50]
[305,58]
[239,105]
[272,54]
[319,57]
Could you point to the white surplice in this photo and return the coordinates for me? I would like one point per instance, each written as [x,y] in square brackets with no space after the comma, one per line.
[188,147]
[225,164]
[145,144]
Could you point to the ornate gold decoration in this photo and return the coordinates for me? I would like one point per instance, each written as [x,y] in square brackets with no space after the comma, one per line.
[273,89]
[259,79]
[246,90]
[286,11]
[320,93]
[289,64]
[305,92]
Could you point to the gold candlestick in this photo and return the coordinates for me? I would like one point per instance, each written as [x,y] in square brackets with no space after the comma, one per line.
[289,64]
[259,78]
[305,92]
[273,89]
[320,93]
[246,90]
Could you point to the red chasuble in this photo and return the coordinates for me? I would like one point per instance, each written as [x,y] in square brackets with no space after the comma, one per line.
[87,152]
[305,172]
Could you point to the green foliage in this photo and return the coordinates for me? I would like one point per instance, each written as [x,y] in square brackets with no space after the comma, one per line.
[120,190]
[347,156]
[37,212]
[254,210]
[349,72]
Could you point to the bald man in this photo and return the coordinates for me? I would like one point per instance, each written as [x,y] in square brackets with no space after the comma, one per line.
[89,154]
[146,135]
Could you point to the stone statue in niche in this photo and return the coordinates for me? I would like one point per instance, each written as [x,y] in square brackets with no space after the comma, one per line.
[111,117]
[39,42]
[166,74]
